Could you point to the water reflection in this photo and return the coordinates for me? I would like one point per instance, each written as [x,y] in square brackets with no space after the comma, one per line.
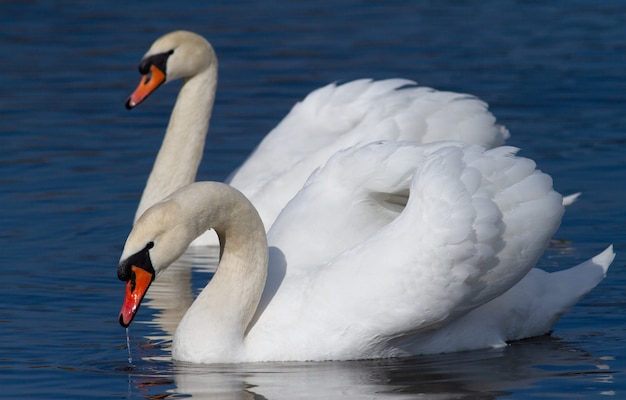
[544,362]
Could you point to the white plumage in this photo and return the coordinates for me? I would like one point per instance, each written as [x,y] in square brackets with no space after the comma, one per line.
[389,249]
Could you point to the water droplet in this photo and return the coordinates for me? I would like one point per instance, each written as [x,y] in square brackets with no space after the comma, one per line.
[130,357]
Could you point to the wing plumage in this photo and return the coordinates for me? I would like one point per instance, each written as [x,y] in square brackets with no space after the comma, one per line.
[336,117]
[397,239]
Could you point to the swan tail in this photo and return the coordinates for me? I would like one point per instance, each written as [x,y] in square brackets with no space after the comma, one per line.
[570,199]
[528,309]
[579,280]
[541,297]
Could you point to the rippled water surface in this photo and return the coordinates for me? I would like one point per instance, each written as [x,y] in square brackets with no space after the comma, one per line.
[73,163]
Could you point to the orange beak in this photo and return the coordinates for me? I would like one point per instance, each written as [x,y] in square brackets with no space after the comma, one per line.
[148,84]
[136,289]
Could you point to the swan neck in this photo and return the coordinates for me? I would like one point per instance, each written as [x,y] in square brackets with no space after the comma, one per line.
[179,157]
[242,269]
[224,309]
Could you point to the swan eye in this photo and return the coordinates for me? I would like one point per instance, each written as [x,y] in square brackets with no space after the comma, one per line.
[150,245]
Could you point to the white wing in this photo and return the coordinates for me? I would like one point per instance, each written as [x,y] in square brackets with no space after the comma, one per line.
[337,117]
[475,222]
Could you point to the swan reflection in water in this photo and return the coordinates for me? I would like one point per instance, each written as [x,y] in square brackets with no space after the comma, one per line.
[172,294]
[483,374]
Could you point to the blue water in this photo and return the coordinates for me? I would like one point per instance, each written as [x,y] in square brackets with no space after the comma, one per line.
[73,163]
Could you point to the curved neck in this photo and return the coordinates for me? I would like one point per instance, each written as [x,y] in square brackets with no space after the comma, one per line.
[177,162]
[218,319]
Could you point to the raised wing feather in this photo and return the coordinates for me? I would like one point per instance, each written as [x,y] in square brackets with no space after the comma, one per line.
[473,225]
[337,117]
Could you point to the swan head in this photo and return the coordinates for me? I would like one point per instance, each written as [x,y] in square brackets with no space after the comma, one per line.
[158,239]
[162,234]
[176,55]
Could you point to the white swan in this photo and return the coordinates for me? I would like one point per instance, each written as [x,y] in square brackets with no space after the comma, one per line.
[327,120]
[389,250]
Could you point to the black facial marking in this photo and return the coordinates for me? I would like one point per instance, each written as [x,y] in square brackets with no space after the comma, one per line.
[158,60]
[140,259]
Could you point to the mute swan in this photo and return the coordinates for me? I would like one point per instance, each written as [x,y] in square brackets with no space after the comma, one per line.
[327,120]
[390,249]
